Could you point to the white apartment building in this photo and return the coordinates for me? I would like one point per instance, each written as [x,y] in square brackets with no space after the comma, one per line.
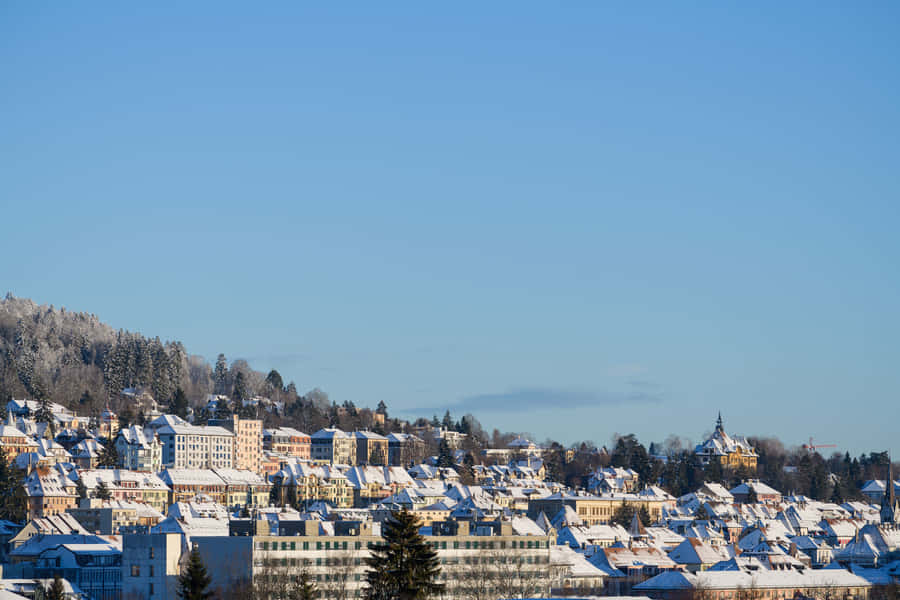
[196,447]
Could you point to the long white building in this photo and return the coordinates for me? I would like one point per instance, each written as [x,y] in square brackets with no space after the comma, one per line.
[196,447]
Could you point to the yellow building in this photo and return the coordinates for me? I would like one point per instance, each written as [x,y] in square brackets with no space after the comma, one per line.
[730,452]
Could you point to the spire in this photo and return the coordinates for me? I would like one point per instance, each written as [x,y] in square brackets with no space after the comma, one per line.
[719,422]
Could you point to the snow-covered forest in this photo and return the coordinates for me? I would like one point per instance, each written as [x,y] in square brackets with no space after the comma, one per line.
[75,359]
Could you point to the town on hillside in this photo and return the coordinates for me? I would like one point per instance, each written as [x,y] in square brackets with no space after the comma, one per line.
[97,507]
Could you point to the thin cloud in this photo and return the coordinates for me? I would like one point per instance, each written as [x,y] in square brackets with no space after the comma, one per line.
[537,398]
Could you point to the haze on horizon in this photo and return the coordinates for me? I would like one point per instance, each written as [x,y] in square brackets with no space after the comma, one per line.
[568,222]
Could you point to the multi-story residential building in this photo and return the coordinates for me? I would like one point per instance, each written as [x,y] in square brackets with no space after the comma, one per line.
[729,451]
[196,447]
[150,566]
[405,449]
[114,517]
[287,441]
[95,568]
[49,492]
[14,442]
[331,445]
[594,510]
[486,556]
[86,453]
[139,449]
[132,486]
[373,484]
[371,448]
[187,483]
[244,488]
[248,441]
[306,483]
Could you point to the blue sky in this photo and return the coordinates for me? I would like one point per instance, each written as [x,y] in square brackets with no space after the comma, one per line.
[569,220]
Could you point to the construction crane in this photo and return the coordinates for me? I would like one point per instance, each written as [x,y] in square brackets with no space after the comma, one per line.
[813,447]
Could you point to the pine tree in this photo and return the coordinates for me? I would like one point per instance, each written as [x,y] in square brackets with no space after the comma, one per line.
[178,405]
[404,567]
[220,375]
[13,500]
[81,489]
[644,516]
[56,590]
[102,491]
[623,514]
[194,580]
[109,456]
[445,455]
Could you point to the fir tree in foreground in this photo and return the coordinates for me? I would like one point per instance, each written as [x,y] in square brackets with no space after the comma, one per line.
[56,590]
[194,580]
[404,567]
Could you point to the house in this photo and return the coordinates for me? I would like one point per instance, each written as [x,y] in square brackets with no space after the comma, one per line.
[763,492]
[696,555]
[729,452]
[133,486]
[139,449]
[49,492]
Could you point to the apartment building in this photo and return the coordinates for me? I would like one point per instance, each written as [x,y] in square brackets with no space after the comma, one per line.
[487,558]
[196,446]
[405,449]
[594,510]
[371,448]
[139,449]
[248,441]
[331,445]
[287,441]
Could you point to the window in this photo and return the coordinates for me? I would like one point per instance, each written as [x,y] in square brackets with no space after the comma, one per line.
[135,570]
[151,551]
[151,570]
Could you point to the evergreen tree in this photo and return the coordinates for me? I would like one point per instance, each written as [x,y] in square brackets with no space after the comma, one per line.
[102,491]
[445,456]
[404,567]
[644,516]
[623,515]
[178,405]
[447,423]
[274,382]
[382,408]
[109,456]
[275,493]
[13,500]
[220,375]
[241,390]
[81,489]
[56,590]
[194,580]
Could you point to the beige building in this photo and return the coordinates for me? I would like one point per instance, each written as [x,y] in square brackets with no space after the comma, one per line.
[594,510]
[488,560]
[196,447]
[333,446]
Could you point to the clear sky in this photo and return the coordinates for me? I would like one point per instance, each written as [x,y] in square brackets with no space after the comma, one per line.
[569,219]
